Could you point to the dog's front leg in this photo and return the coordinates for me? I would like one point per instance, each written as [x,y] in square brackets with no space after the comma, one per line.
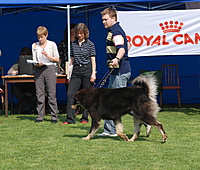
[137,125]
[119,129]
[94,127]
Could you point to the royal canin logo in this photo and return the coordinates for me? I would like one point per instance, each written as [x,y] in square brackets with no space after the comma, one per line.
[171,26]
[166,27]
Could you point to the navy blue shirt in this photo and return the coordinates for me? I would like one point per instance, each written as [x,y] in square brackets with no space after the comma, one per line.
[82,53]
[115,40]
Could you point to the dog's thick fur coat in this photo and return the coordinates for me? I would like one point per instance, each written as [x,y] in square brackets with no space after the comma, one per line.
[112,104]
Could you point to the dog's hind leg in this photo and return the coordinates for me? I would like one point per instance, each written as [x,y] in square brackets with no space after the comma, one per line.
[162,131]
[137,125]
[120,129]
[95,126]
[148,129]
[158,125]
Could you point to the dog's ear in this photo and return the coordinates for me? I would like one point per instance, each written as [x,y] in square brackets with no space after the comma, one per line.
[137,84]
[76,98]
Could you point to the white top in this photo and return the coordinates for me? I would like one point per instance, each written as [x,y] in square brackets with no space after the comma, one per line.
[51,49]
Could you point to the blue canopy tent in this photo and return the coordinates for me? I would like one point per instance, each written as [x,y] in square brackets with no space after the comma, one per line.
[20,18]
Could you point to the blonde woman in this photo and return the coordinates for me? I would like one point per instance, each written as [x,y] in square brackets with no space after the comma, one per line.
[45,53]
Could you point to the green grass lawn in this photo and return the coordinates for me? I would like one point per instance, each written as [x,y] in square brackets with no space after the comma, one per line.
[27,145]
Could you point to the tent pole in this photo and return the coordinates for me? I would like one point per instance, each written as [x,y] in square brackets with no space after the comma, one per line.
[68,38]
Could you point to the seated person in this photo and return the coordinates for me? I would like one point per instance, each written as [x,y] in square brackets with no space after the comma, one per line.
[24,92]
[1,91]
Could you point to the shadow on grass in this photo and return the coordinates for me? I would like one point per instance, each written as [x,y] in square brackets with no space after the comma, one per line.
[189,109]
[147,139]
[33,117]
[26,117]
[62,117]
[117,138]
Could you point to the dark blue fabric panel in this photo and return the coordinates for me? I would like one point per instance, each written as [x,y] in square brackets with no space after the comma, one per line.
[18,30]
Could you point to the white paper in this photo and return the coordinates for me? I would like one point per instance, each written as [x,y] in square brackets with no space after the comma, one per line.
[70,71]
[32,61]
[36,62]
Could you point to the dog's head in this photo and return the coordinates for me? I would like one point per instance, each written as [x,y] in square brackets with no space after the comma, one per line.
[83,100]
[77,106]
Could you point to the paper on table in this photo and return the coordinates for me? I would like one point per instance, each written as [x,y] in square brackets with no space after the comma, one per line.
[36,62]
[32,61]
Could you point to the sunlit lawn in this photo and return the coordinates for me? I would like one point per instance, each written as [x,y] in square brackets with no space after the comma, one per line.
[27,145]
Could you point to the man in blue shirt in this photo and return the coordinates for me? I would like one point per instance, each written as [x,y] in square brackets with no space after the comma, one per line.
[117,56]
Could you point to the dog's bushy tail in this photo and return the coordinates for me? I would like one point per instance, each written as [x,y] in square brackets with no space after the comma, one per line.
[148,83]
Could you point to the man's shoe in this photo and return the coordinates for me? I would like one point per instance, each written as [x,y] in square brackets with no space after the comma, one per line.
[38,121]
[65,123]
[54,121]
[84,122]
[107,134]
[104,134]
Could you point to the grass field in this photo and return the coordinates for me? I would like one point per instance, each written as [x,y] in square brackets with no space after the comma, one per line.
[27,145]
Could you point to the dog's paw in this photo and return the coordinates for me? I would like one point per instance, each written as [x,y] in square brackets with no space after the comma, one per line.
[135,136]
[123,136]
[126,138]
[86,138]
[130,140]
[164,138]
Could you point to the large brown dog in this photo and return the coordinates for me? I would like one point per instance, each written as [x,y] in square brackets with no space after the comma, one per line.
[112,104]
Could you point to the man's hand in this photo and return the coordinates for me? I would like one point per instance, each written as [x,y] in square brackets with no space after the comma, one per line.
[114,62]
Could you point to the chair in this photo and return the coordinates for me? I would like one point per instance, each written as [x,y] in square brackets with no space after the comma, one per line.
[170,80]
[2,93]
